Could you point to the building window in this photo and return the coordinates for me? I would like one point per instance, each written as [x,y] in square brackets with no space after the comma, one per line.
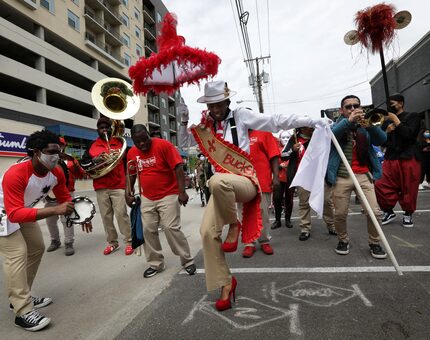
[73,20]
[138,50]
[138,32]
[164,119]
[76,2]
[163,103]
[165,135]
[127,59]
[125,2]
[136,13]
[159,18]
[126,39]
[125,20]
[48,4]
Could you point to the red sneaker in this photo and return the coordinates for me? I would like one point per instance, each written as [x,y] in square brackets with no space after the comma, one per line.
[267,249]
[110,248]
[129,250]
[248,251]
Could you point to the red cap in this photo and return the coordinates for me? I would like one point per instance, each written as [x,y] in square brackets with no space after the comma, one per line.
[62,141]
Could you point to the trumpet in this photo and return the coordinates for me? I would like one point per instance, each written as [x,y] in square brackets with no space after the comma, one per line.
[372,117]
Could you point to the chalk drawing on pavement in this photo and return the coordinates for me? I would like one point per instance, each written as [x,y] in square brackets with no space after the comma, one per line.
[248,313]
[318,294]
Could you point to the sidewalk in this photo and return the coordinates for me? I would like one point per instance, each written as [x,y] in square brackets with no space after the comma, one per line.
[96,296]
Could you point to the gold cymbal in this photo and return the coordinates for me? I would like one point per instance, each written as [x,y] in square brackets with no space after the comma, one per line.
[351,37]
[403,18]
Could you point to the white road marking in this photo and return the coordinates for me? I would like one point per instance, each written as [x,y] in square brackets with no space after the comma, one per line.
[382,269]
[360,213]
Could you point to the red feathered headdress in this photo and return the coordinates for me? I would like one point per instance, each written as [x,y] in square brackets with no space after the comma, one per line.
[375,26]
[174,64]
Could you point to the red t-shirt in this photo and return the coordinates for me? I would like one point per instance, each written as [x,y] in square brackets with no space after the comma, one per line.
[157,168]
[21,188]
[115,179]
[357,168]
[263,147]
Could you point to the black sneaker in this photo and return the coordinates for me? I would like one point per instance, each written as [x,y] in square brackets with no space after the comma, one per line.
[150,272]
[332,231]
[407,221]
[276,225]
[191,269]
[304,236]
[388,217]
[37,302]
[377,252]
[342,248]
[32,321]
[288,223]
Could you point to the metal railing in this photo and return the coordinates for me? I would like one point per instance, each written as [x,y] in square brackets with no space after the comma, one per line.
[91,38]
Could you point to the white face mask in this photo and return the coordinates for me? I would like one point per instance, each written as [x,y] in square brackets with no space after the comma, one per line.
[202,158]
[49,161]
[285,137]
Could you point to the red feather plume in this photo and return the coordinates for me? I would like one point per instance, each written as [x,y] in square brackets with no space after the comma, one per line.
[175,63]
[375,26]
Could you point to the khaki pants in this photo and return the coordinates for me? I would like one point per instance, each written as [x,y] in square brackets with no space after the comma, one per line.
[112,201]
[264,207]
[226,190]
[342,195]
[165,212]
[23,251]
[52,223]
[305,208]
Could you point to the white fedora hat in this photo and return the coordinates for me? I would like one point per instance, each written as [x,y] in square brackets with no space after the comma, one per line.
[215,92]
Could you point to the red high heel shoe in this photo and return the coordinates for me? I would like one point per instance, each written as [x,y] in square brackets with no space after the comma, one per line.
[229,247]
[221,305]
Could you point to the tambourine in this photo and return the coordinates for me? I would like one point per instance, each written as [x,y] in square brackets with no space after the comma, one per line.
[83,211]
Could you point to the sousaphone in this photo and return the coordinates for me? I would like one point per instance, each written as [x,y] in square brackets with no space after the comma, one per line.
[113,98]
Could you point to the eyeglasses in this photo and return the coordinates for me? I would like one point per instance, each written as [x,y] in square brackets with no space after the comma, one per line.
[352,106]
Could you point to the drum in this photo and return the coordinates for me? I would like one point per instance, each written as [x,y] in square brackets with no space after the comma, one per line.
[83,211]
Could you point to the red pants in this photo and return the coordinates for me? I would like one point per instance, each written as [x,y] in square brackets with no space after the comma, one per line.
[399,183]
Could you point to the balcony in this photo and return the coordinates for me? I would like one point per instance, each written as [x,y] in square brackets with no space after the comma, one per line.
[153,119]
[172,126]
[97,25]
[30,4]
[103,49]
[153,102]
[111,13]
[149,32]
[148,14]
[172,112]
[150,47]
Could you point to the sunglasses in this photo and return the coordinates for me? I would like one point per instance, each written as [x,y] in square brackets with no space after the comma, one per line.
[352,106]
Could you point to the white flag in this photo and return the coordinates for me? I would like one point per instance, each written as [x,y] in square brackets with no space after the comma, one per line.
[313,166]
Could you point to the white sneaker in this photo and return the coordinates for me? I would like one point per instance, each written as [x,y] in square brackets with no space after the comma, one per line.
[421,187]
[425,185]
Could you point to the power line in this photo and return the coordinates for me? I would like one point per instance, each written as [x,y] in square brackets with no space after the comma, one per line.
[238,34]
[258,25]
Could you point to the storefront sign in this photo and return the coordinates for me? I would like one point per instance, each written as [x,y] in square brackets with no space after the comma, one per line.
[12,145]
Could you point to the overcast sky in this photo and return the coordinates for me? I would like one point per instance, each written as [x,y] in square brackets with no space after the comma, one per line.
[311,68]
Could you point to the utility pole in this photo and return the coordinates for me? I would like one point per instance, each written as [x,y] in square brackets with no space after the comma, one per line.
[259,82]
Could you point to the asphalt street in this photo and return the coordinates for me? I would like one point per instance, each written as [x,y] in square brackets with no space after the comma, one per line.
[307,291]
[304,291]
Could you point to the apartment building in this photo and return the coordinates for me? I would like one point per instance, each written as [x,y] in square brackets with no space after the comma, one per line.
[52,52]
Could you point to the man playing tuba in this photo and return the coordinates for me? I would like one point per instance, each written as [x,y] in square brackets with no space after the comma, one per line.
[104,158]
[110,187]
